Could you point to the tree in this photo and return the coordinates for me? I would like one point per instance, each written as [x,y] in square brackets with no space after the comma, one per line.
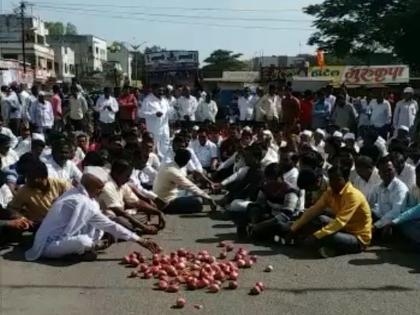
[223,60]
[55,28]
[71,29]
[362,27]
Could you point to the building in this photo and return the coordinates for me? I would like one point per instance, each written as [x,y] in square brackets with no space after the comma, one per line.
[64,63]
[175,67]
[90,52]
[38,53]
[124,57]
[280,61]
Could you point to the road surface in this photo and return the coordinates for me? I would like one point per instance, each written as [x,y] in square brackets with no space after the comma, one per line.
[380,281]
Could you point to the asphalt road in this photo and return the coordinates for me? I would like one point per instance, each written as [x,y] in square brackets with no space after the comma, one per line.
[380,281]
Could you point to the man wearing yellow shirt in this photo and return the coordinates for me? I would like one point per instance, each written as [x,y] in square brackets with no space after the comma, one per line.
[349,229]
[35,198]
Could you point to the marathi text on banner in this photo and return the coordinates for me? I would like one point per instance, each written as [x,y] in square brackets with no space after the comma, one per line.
[362,75]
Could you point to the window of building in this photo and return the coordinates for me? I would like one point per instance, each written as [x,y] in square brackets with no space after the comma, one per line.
[49,65]
[10,56]
[56,66]
[40,39]
[97,50]
[66,68]
[71,69]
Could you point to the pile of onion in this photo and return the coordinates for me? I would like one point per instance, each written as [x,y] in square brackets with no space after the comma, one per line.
[193,271]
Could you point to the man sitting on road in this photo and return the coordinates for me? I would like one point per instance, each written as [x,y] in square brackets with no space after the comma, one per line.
[349,230]
[121,204]
[34,199]
[171,178]
[75,223]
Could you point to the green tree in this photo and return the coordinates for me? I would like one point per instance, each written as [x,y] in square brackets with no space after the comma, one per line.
[222,60]
[55,28]
[362,27]
[71,29]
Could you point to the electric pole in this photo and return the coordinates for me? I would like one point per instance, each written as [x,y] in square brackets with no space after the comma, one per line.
[22,8]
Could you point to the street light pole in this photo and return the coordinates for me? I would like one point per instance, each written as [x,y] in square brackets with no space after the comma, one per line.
[136,47]
[22,21]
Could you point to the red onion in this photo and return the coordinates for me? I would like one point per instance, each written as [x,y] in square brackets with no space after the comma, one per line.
[163,285]
[214,288]
[260,285]
[180,302]
[233,285]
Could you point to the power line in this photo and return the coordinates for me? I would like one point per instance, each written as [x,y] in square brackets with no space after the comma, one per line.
[207,17]
[182,22]
[175,8]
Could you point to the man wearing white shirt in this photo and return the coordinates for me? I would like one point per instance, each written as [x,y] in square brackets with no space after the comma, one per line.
[59,164]
[7,132]
[78,108]
[380,115]
[155,109]
[14,109]
[366,176]
[7,155]
[270,105]
[172,113]
[206,151]
[405,172]
[193,165]
[389,198]
[405,110]
[246,105]
[107,107]
[207,110]
[42,115]
[187,105]
[75,223]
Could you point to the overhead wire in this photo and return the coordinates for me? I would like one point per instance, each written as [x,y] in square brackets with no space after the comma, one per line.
[176,7]
[184,16]
[127,17]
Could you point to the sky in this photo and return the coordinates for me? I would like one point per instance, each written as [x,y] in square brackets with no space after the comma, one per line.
[205,25]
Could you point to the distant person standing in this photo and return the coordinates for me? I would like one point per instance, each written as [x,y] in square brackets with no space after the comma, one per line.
[187,105]
[321,111]
[107,107]
[78,108]
[128,108]
[306,105]
[246,105]
[207,109]
[381,115]
[42,115]
[290,110]
[14,109]
[56,104]
[405,110]
[270,105]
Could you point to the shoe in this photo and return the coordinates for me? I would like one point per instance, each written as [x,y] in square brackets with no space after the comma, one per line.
[326,252]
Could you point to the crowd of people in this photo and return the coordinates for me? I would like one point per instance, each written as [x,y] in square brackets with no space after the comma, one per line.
[328,171]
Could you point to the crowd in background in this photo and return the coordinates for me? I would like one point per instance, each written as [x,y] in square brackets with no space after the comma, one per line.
[323,169]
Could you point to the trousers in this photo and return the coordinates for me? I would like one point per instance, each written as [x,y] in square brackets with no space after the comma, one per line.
[78,244]
[187,204]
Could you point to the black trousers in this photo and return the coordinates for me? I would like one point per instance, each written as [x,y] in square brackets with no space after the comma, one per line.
[14,125]
[341,242]
[187,204]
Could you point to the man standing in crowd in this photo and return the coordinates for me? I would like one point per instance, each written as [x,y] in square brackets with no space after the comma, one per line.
[107,107]
[155,109]
[246,105]
[42,115]
[78,109]
[207,109]
[381,115]
[187,105]
[56,103]
[290,111]
[128,108]
[344,115]
[405,110]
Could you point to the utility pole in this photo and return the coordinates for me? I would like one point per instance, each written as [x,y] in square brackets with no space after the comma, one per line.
[22,8]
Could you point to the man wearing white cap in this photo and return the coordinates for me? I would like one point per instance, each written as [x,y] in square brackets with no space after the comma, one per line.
[75,223]
[319,143]
[350,142]
[41,114]
[405,110]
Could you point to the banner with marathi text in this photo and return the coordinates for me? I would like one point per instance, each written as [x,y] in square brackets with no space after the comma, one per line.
[362,75]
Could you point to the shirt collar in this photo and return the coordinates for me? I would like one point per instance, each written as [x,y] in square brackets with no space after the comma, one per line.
[345,188]
[391,185]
